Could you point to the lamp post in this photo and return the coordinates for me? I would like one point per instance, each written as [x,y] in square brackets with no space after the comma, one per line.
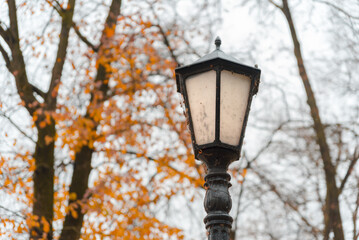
[217,92]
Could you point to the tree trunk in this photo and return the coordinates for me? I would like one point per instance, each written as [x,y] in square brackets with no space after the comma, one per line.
[43,180]
[79,184]
[332,209]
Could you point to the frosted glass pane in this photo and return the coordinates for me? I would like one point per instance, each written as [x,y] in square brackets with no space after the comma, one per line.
[201,91]
[233,104]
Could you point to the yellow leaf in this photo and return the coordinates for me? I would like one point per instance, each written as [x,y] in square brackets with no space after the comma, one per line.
[244,172]
[110,31]
[42,124]
[48,140]
[46,225]
[74,213]
[7,182]
[73,196]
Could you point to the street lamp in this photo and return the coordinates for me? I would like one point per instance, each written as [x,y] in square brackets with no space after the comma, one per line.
[217,92]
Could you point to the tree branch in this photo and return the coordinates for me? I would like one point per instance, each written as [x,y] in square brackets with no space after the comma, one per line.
[57,8]
[354,218]
[6,58]
[333,220]
[268,144]
[61,12]
[51,95]
[167,165]
[165,38]
[350,169]
[83,38]
[13,19]
[167,43]
[38,91]
[338,9]
[18,69]
[5,34]
[288,202]
[275,4]
[82,167]
[17,127]
[105,44]
[233,232]
[13,212]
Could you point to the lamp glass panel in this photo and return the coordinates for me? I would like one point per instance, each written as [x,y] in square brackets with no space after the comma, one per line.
[201,92]
[233,104]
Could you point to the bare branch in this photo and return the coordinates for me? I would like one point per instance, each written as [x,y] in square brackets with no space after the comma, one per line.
[355,217]
[18,68]
[236,217]
[288,202]
[13,19]
[6,57]
[275,4]
[337,8]
[38,91]
[5,34]
[165,38]
[83,38]
[51,95]
[332,203]
[61,12]
[350,169]
[269,142]
[167,43]
[16,126]
[57,8]
[13,212]
[137,155]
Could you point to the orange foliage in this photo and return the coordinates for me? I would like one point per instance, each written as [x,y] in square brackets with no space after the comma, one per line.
[135,129]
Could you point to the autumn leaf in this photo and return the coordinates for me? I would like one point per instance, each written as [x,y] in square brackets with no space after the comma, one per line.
[74,213]
[72,196]
[109,31]
[48,140]
[45,224]
[42,124]
[96,107]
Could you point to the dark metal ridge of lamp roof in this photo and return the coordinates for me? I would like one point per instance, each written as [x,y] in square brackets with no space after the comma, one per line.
[218,54]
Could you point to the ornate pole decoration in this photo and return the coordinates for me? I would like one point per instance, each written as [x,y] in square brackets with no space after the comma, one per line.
[217,92]
[217,202]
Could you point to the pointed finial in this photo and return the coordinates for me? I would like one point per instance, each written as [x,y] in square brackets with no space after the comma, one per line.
[218,42]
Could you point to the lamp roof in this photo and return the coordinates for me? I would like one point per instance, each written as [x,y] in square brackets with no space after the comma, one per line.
[217,55]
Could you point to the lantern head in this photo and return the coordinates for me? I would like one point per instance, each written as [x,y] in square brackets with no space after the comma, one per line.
[217,92]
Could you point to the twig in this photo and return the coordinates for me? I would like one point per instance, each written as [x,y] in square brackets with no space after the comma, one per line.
[275,4]
[338,9]
[83,38]
[6,57]
[17,127]
[350,169]
[13,212]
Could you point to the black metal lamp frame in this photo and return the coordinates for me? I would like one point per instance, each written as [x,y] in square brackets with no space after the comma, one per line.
[217,155]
